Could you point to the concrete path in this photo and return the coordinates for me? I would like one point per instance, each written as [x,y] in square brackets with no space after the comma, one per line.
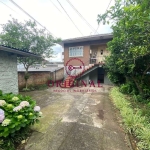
[74,120]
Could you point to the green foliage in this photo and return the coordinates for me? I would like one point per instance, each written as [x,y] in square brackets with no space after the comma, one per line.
[138,98]
[41,87]
[13,140]
[135,123]
[19,113]
[25,89]
[35,87]
[116,78]
[1,92]
[126,88]
[75,82]
[130,48]
[27,36]
[26,76]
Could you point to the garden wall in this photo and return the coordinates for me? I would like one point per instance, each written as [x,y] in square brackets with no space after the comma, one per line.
[40,77]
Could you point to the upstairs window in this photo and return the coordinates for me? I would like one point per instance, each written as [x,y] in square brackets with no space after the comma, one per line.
[76,51]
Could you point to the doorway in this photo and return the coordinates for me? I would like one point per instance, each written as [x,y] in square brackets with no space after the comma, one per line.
[101,73]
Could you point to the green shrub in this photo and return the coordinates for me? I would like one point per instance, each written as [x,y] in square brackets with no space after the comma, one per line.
[116,78]
[42,87]
[132,119]
[144,135]
[25,89]
[31,87]
[138,98]
[126,88]
[17,113]
[35,87]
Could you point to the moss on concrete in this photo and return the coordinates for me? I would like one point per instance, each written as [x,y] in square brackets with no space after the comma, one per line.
[51,115]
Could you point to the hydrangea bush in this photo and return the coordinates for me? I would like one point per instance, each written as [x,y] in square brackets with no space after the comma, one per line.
[16,112]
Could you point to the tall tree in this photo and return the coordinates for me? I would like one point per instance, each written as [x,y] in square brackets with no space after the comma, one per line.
[27,36]
[130,47]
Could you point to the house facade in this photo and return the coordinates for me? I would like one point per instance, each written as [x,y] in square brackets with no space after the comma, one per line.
[8,68]
[87,55]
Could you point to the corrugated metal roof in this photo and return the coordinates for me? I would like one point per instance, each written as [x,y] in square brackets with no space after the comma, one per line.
[40,69]
[17,51]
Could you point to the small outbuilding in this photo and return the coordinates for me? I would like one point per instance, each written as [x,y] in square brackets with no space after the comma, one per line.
[8,67]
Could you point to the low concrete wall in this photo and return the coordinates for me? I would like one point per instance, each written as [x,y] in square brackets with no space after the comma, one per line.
[40,77]
[106,80]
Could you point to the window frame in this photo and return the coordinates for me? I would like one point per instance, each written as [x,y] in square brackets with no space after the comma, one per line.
[77,50]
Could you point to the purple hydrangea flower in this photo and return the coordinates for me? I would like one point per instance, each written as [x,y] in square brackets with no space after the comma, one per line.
[1,111]
[2,115]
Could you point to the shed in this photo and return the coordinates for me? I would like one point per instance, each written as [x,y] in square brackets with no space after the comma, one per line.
[8,67]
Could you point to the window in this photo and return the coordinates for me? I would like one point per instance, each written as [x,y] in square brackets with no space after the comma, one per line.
[101,52]
[76,51]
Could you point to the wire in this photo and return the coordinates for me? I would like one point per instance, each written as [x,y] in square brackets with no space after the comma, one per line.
[8,7]
[55,6]
[59,10]
[105,11]
[29,15]
[70,18]
[108,5]
[81,16]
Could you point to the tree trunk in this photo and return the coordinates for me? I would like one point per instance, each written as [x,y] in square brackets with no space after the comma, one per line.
[26,77]
[137,85]
[26,83]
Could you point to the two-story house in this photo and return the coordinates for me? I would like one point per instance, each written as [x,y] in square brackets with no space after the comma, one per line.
[86,55]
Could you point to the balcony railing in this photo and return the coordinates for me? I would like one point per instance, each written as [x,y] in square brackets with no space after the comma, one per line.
[95,61]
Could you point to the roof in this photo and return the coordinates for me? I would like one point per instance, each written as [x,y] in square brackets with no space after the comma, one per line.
[55,63]
[19,52]
[87,38]
[40,69]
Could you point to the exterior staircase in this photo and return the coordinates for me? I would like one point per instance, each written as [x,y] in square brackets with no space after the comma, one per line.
[69,81]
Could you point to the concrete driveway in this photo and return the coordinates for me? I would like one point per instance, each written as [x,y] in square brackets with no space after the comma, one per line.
[77,120]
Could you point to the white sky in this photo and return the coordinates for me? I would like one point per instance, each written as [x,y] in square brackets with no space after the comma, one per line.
[58,22]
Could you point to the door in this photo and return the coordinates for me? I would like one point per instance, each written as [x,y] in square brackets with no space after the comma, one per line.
[101,73]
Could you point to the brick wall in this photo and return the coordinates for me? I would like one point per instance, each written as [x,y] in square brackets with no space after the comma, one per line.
[8,73]
[58,75]
[85,59]
[38,78]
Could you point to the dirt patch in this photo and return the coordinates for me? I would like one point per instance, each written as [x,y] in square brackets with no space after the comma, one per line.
[101,114]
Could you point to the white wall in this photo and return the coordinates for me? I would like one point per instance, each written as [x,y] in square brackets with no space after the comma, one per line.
[8,73]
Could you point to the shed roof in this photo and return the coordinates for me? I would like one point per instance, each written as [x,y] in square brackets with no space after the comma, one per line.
[20,53]
[40,69]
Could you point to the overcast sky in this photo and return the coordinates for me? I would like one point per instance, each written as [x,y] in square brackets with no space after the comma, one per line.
[55,19]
